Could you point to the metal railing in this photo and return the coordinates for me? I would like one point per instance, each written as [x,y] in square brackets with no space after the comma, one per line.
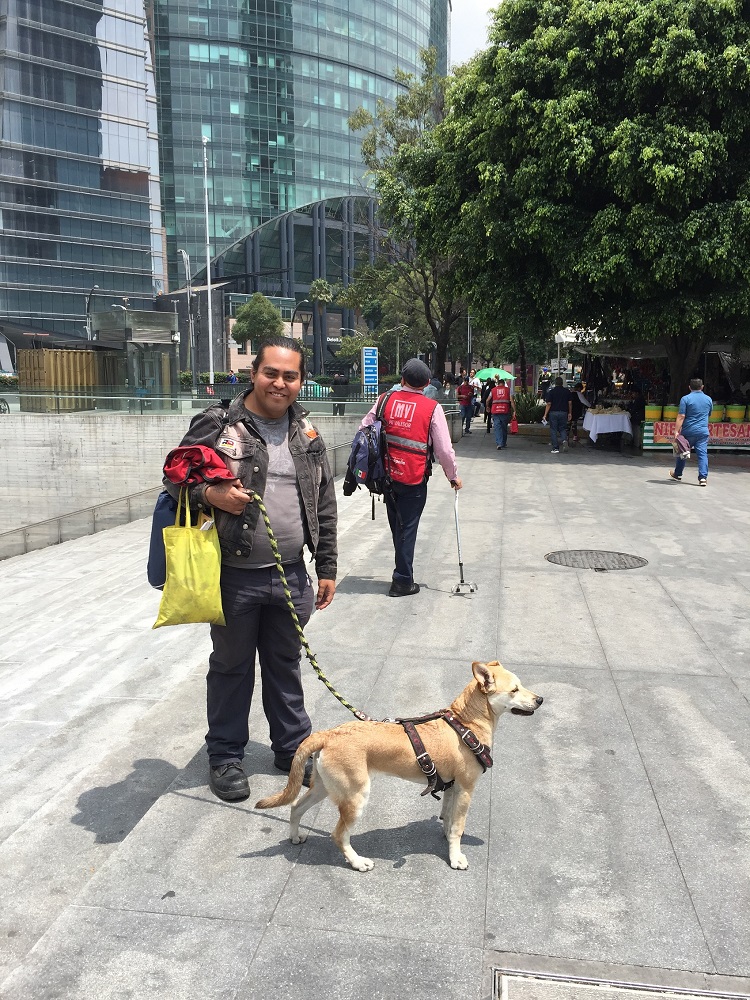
[315,398]
[109,514]
[123,510]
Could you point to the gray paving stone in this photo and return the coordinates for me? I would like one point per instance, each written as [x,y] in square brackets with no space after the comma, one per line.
[693,734]
[574,851]
[586,868]
[619,601]
[112,954]
[345,965]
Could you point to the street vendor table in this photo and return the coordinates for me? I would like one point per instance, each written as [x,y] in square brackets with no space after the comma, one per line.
[606,423]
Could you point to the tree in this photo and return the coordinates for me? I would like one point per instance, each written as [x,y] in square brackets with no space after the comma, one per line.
[423,278]
[256,319]
[593,170]
[322,294]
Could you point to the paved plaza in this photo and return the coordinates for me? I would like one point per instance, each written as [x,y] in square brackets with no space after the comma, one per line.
[610,840]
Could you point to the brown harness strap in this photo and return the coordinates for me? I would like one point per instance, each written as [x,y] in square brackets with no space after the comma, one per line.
[434,782]
[479,750]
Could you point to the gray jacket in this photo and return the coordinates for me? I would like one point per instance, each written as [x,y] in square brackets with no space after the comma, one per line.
[232,435]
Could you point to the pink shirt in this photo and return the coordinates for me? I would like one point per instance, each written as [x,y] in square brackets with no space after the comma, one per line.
[440,436]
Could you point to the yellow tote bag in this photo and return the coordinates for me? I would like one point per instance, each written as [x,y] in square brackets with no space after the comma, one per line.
[192,592]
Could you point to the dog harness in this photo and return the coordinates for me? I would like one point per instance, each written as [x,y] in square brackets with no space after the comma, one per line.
[435,783]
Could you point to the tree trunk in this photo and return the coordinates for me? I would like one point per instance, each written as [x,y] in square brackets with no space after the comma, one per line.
[522,361]
[683,352]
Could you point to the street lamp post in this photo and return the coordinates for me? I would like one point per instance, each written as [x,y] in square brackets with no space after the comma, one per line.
[208,265]
[305,309]
[397,330]
[191,328]
[469,352]
[88,311]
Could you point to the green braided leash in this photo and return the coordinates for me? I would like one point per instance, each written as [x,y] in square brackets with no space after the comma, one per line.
[290,604]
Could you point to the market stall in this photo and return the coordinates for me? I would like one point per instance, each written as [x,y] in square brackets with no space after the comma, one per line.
[607,421]
[728,428]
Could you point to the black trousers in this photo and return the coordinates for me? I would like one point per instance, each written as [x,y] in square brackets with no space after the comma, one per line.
[257,618]
[405,507]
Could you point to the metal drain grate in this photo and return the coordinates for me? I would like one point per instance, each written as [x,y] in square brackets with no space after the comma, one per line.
[538,986]
[596,559]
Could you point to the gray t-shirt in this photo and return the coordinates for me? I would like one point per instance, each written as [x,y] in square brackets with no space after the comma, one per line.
[281,499]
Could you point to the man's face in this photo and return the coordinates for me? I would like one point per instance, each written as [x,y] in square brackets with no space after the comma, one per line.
[277,383]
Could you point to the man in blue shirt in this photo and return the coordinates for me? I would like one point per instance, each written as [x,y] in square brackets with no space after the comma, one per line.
[692,423]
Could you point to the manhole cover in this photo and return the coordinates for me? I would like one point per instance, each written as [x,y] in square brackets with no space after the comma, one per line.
[596,559]
[538,986]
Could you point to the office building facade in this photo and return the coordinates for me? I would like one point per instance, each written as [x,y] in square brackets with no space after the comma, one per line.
[79,187]
[272,84]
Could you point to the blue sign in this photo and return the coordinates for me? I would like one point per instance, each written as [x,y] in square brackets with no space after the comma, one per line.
[369,366]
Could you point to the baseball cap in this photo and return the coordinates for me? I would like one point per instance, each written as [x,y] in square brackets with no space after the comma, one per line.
[416,373]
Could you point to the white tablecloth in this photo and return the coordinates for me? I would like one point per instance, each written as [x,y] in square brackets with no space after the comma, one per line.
[606,423]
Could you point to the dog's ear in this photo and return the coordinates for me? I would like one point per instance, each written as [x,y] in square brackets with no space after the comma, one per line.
[484,676]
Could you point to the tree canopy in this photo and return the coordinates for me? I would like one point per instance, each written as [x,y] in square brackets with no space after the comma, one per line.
[256,319]
[592,170]
[423,279]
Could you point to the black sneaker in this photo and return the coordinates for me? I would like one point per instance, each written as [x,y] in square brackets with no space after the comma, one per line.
[284,763]
[229,782]
[403,589]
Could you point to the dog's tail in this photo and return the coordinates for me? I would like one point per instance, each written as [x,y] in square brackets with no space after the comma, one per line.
[284,798]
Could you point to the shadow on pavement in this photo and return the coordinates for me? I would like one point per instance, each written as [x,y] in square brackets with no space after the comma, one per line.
[394,845]
[112,811]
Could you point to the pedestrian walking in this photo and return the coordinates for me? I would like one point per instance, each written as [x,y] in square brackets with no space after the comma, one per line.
[414,427]
[559,410]
[503,406]
[487,387]
[692,423]
[231,378]
[266,440]
[465,397]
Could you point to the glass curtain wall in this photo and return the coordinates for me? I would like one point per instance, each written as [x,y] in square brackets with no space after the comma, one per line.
[271,84]
[79,192]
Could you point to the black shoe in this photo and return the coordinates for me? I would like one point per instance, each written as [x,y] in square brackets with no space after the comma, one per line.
[229,781]
[284,763]
[403,589]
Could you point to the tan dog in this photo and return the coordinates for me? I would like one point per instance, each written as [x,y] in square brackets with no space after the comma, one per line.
[346,756]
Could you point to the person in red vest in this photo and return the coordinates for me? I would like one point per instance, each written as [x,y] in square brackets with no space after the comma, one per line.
[465,392]
[503,405]
[415,429]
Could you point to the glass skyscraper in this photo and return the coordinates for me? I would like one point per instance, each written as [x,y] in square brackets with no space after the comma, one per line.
[271,84]
[79,188]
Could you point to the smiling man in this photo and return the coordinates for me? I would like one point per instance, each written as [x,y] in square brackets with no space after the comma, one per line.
[273,450]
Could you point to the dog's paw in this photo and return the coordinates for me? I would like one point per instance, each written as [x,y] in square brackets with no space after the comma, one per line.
[460,862]
[300,837]
[361,864]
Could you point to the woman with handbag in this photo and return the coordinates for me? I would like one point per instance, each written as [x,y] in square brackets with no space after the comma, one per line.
[271,448]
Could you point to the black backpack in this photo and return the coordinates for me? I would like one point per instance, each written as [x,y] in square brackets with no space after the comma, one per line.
[367,465]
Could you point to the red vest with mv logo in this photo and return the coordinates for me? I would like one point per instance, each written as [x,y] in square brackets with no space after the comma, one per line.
[406,418]
[501,399]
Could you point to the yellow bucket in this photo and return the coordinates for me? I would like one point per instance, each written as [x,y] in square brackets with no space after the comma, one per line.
[735,413]
[670,412]
[716,416]
[653,411]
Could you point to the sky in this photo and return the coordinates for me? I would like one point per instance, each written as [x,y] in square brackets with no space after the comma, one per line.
[469,22]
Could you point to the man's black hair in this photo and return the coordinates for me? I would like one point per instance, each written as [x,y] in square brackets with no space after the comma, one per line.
[287,344]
